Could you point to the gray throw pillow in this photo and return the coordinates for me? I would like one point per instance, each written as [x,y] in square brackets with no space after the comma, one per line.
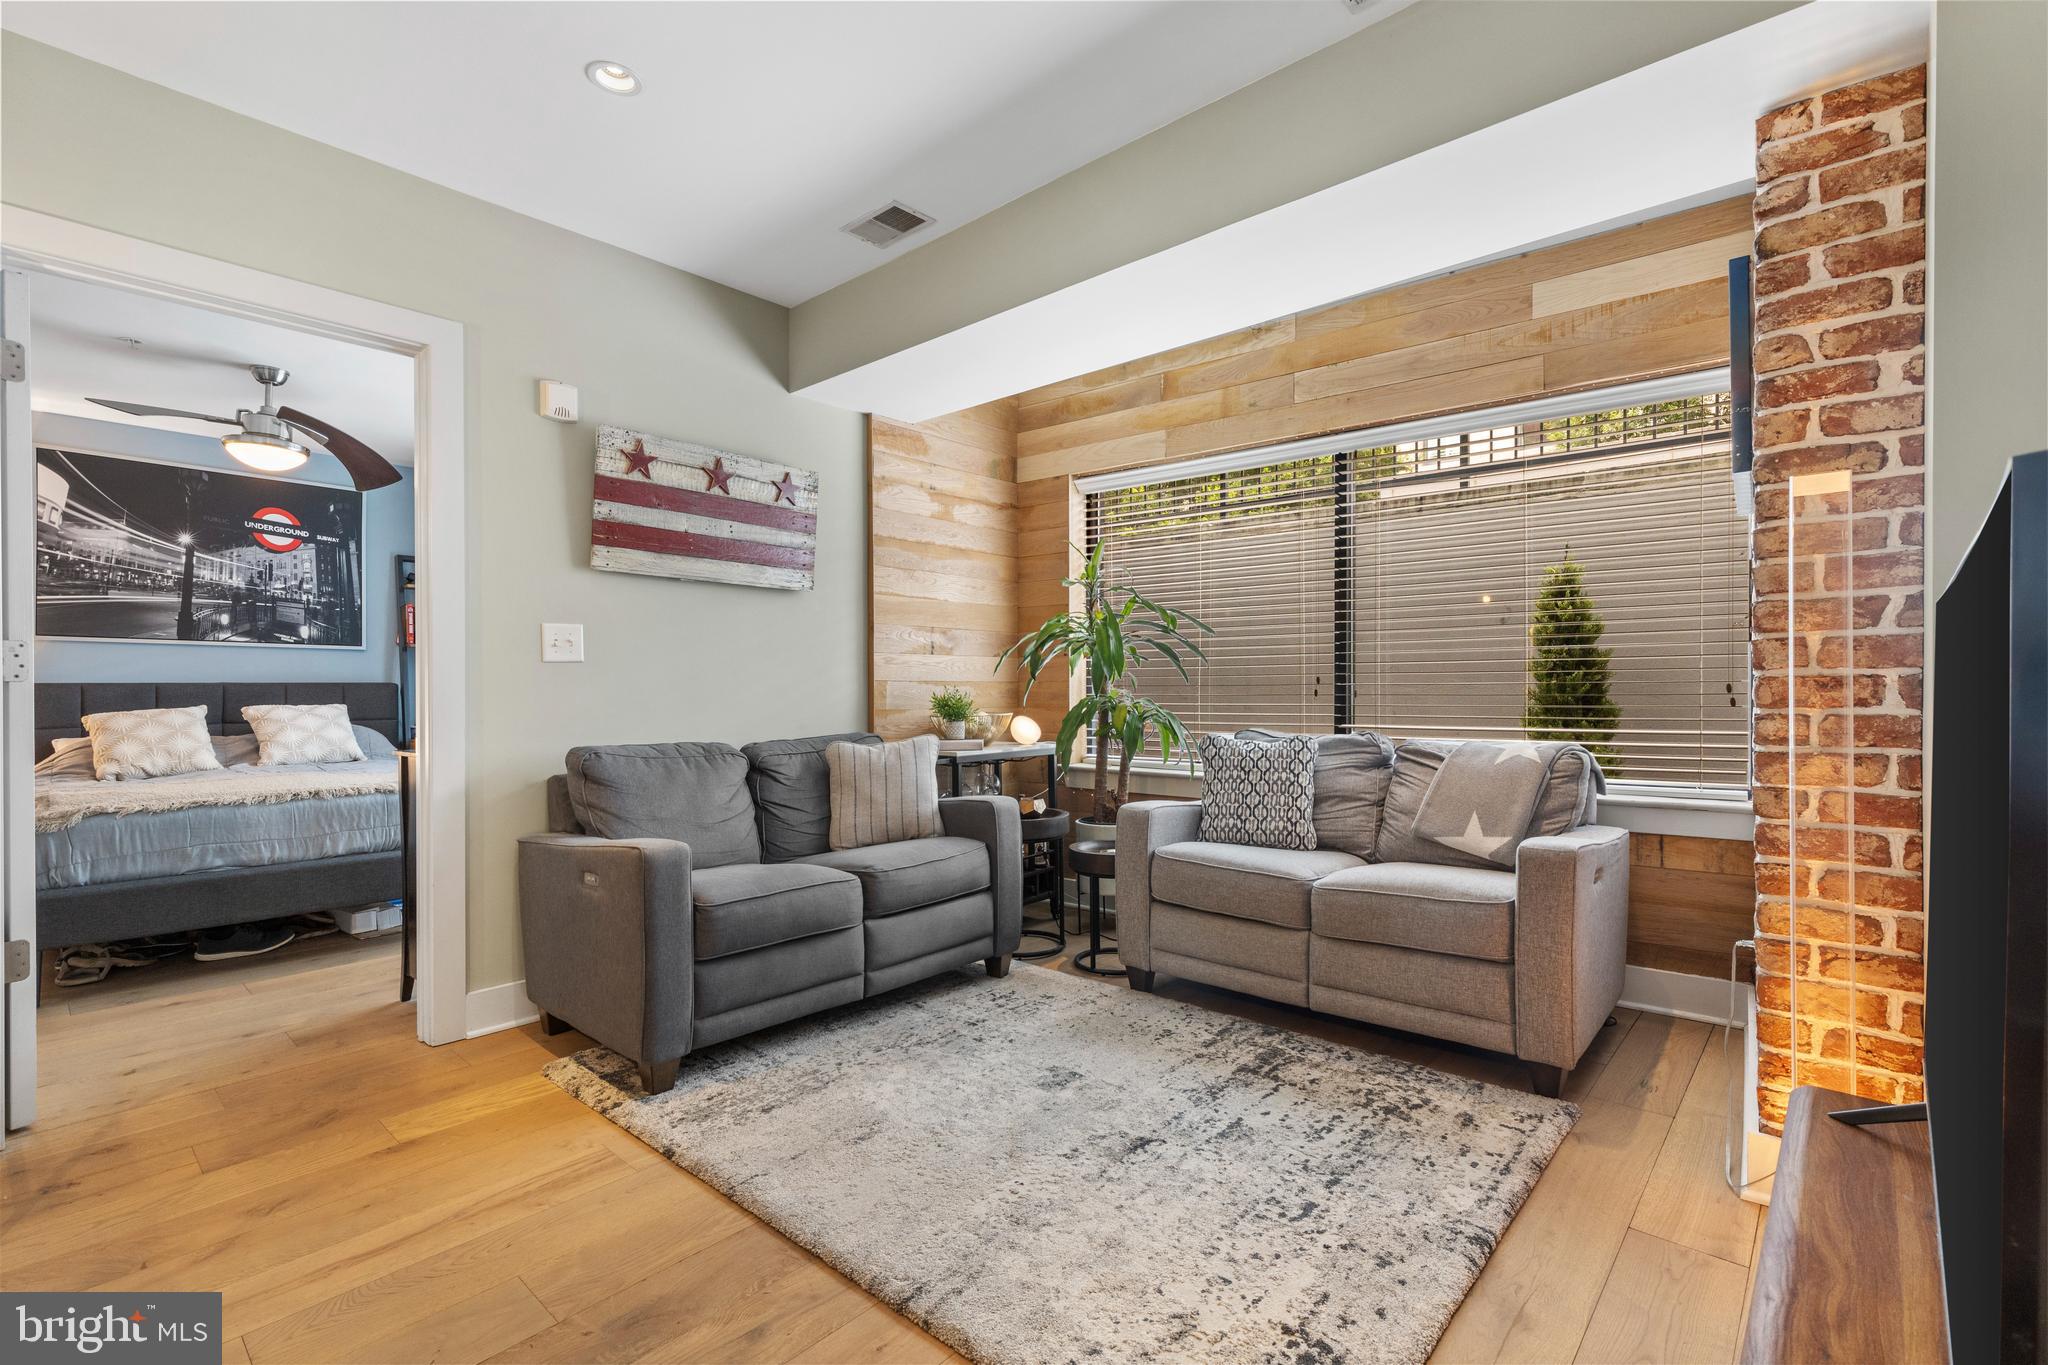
[884,793]
[694,793]
[1259,792]
[1352,773]
[372,742]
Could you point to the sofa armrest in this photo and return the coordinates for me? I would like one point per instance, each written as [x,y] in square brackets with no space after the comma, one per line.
[610,939]
[1142,829]
[1571,940]
[994,820]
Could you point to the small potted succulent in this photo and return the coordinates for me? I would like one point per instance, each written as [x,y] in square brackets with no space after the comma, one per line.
[952,708]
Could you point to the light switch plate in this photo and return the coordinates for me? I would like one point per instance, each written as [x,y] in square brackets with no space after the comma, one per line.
[560,643]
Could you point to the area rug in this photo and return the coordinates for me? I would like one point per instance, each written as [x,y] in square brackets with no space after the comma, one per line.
[1042,1169]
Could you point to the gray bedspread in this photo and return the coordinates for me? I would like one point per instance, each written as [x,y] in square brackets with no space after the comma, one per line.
[121,848]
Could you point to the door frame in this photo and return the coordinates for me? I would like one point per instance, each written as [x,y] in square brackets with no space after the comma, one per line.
[54,246]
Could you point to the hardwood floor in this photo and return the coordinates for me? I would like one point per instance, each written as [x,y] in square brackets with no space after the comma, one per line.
[270,1129]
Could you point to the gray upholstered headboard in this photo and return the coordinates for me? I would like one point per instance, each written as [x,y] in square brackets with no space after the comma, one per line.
[59,705]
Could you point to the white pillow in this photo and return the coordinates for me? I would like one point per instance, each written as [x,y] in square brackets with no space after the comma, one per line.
[303,734]
[68,757]
[161,742]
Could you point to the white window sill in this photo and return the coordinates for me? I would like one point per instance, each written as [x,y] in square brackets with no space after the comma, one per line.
[1638,811]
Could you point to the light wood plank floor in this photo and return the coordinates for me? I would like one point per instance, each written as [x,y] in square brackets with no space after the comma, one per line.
[270,1129]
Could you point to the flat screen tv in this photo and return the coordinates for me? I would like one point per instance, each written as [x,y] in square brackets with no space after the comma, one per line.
[1987,926]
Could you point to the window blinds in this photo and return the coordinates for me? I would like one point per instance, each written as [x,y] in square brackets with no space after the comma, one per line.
[1393,587]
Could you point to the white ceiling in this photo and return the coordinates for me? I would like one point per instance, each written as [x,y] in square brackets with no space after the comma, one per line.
[761,128]
[81,345]
[1665,136]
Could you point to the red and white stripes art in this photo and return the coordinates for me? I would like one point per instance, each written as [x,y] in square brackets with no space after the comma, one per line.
[673,509]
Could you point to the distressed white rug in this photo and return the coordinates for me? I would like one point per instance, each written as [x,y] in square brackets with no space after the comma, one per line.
[1043,1169]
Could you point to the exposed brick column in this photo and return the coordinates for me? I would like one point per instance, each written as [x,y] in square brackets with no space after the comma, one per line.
[1840,362]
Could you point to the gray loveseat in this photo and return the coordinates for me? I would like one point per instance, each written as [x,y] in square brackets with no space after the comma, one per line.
[1380,925]
[686,895]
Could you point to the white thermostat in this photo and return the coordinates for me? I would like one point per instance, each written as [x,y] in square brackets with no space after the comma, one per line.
[557,400]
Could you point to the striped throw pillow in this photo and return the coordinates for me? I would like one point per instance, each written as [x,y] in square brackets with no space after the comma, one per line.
[884,793]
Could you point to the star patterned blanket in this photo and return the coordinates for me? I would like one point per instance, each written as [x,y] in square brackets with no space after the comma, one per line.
[1485,795]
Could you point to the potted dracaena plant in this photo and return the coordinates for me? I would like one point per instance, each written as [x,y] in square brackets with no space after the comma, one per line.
[1117,629]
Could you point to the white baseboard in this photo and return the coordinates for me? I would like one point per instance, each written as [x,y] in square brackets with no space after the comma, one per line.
[498,1007]
[1677,993]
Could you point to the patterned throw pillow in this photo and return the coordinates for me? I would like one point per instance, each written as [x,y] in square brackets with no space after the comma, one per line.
[162,742]
[303,734]
[883,793]
[1260,792]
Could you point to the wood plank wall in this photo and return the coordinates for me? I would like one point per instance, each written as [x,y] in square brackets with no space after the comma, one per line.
[1634,303]
[942,562]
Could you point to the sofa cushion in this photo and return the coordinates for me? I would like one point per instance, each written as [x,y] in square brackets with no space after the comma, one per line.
[1245,881]
[1569,800]
[1464,911]
[911,872]
[1258,791]
[792,787]
[696,793]
[1351,777]
[751,905]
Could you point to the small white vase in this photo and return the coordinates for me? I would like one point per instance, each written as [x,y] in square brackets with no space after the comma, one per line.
[953,729]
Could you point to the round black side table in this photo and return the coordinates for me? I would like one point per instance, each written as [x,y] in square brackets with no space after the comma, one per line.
[1045,837]
[1093,859]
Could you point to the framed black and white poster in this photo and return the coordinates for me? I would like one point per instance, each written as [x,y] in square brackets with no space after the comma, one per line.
[142,550]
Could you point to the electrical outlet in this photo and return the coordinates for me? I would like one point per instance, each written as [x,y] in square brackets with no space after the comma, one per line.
[561,644]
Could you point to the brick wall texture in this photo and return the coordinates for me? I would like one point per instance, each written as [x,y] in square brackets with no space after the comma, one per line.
[1840,590]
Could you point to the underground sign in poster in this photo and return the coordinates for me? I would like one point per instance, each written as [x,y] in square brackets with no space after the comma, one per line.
[138,550]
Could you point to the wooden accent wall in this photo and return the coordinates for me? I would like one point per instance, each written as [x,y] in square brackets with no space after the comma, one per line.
[943,561]
[1635,303]
[1629,304]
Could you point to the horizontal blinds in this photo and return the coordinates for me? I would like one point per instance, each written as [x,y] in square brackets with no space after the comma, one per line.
[1252,554]
[1393,588]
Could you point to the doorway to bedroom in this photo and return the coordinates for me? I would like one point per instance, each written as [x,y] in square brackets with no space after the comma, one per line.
[224,666]
[226,730]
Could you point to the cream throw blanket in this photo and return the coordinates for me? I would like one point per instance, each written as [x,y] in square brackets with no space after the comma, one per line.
[60,805]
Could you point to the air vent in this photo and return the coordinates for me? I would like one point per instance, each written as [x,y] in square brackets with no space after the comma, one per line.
[887,226]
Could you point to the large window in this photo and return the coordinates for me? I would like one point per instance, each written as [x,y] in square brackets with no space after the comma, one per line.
[1394,581]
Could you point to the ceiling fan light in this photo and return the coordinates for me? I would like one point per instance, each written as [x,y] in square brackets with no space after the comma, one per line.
[271,454]
[613,77]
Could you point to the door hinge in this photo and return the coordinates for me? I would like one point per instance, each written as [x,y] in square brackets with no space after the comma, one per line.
[13,361]
[19,960]
[14,658]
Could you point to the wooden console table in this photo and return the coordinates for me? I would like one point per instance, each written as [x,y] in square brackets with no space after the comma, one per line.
[1848,1269]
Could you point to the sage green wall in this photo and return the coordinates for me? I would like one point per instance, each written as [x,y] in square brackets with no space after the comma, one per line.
[652,348]
[1987,283]
[1425,76]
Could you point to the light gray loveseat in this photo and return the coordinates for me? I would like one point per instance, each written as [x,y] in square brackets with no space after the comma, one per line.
[1380,925]
[686,895]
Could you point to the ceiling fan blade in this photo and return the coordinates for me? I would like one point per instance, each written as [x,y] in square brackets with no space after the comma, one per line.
[146,410]
[365,466]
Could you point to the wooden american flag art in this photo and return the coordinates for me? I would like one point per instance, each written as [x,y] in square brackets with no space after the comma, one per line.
[674,509]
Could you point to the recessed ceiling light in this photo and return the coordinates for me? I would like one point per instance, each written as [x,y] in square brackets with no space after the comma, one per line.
[613,77]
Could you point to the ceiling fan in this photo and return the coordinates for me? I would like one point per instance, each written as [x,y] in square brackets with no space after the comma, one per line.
[266,437]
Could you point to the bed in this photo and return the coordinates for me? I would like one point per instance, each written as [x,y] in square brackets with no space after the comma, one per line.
[106,876]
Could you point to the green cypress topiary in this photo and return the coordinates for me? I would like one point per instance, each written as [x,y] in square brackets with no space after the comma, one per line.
[1569,676]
